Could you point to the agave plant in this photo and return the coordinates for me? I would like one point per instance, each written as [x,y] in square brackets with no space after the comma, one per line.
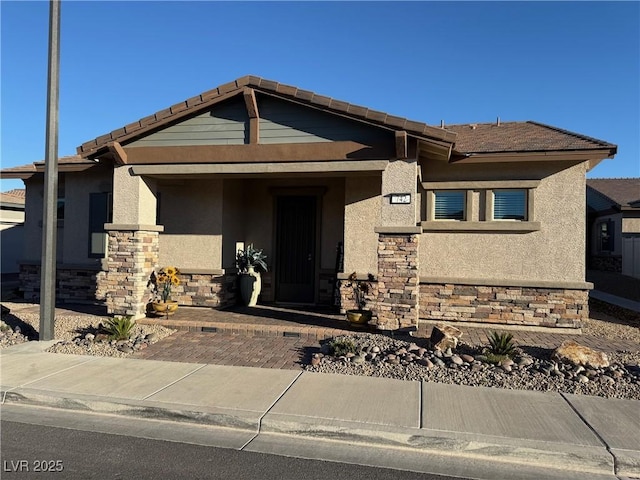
[119,328]
[501,344]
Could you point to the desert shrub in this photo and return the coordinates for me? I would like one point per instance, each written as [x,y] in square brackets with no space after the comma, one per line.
[119,328]
[501,345]
[340,347]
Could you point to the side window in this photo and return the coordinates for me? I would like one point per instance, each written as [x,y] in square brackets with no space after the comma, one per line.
[605,232]
[449,205]
[100,212]
[510,204]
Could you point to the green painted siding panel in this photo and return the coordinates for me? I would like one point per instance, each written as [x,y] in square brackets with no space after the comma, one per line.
[285,122]
[225,124]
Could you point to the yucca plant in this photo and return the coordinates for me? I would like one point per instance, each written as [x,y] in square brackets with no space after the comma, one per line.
[120,328]
[501,344]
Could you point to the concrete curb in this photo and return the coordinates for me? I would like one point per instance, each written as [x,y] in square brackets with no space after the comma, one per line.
[584,459]
[587,459]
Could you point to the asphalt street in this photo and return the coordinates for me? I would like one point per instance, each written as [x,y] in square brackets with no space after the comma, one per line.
[36,451]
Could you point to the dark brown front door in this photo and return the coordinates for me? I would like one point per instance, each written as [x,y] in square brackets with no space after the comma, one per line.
[295,248]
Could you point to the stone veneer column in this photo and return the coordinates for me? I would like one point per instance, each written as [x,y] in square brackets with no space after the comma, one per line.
[398,280]
[132,256]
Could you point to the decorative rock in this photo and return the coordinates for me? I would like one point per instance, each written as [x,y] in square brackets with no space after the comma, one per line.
[467,358]
[125,349]
[422,351]
[607,379]
[444,337]
[89,337]
[315,360]
[525,361]
[152,337]
[448,352]
[576,354]
[582,379]
[506,367]
[358,360]
[425,362]
[375,349]
[101,337]
[456,359]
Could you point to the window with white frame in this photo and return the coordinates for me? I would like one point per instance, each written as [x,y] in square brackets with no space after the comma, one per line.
[510,204]
[449,205]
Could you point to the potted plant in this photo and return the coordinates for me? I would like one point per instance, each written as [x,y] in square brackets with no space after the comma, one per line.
[250,262]
[359,316]
[161,285]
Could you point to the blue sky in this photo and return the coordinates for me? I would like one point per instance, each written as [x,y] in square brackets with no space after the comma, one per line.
[573,65]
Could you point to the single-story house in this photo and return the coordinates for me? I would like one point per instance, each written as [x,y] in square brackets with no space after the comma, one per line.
[613,225]
[11,229]
[479,222]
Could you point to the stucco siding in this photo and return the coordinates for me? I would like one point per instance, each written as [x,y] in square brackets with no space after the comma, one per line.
[32,249]
[191,214]
[553,253]
[361,216]
[631,225]
[78,187]
[233,220]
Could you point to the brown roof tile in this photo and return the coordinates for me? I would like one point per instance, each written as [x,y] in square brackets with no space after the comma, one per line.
[16,196]
[520,137]
[267,86]
[622,191]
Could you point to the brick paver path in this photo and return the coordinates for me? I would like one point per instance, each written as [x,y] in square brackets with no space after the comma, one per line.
[236,350]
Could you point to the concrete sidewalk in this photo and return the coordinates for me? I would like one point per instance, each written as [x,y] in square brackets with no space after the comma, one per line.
[270,410]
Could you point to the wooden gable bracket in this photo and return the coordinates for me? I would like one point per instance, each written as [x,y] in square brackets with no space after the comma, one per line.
[119,155]
[254,118]
[401,145]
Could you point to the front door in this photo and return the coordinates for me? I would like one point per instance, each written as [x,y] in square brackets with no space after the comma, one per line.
[295,248]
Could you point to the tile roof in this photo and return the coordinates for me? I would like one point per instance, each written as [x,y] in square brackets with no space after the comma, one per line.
[204,100]
[520,137]
[70,162]
[16,195]
[622,191]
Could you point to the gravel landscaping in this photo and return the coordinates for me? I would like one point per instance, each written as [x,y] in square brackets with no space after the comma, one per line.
[407,358]
[531,368]
[78,334]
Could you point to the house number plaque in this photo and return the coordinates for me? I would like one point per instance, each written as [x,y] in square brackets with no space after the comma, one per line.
[400,198]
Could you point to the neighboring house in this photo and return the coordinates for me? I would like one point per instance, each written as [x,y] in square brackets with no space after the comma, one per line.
[613,225]
[477,222]
[11,230]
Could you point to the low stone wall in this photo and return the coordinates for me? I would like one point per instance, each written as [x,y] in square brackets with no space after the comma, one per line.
[206,290]
[74,284]
[348,299]
[606,263]
[546,307]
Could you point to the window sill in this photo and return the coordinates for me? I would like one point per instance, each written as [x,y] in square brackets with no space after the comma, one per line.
[506,226]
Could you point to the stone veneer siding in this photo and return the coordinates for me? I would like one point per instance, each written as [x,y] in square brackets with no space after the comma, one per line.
[206,290]
[348,300]
[131,258]
[398,282]
[546,307]
[74,284]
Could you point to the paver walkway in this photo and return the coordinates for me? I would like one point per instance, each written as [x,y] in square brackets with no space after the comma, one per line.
[265,339]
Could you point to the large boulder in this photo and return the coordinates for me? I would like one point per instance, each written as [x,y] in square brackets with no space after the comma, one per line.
[576,354]
[444,336]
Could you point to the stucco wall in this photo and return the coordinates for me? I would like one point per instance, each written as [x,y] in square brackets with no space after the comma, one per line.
[134,201]
[631,225]
[78,187]
[233,220]
[32,249]
[399,177]
[191,213]
[554,253]
[361,216]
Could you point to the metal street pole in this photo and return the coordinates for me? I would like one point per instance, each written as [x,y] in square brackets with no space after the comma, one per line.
[50,200]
